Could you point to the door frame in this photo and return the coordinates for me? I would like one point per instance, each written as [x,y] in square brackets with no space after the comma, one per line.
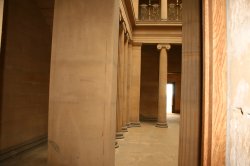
[214,107]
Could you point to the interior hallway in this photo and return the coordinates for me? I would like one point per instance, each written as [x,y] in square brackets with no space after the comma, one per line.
[143,146]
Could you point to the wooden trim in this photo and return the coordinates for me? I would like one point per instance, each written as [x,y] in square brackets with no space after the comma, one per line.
[214,83]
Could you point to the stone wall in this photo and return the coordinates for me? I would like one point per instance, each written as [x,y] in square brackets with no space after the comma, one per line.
[238,150]
[25,56]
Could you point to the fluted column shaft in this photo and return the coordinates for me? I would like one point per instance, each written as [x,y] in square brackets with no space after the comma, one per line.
[163,72]
[129,81]
[120,80]
[135,85]
[191,91]
[125,88]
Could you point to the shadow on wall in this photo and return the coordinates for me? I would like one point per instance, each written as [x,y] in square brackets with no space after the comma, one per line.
[25,72]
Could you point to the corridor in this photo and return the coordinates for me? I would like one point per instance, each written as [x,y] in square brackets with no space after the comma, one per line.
[143,146]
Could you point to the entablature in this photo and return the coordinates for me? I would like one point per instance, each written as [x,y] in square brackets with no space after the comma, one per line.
[160,34]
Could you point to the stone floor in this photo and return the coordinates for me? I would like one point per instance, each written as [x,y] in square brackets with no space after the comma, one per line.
[142,146]
[150,146]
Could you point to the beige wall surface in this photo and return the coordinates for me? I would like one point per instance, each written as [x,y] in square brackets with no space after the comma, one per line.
[149,82]
[150,79]
[26,67]
[239,83]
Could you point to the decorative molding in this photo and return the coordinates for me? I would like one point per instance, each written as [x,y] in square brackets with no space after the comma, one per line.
[158,23]
[127,36]
[126,18]
[136,43]
[116,145]
[157,39]
[119,135]
[124,129]
[135,124]
[161,125]
[131,11]
[158,35]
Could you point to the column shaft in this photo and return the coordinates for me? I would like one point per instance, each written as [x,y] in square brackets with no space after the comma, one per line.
[124,84]
[190,115]
[126,72]
[135,85]
[164,9]
[136,8]
[129,80]
[162,117]
[120,85]
[83,83]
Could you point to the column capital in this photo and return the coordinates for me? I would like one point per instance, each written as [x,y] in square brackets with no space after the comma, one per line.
[127,36]
[137,43]
[160,46]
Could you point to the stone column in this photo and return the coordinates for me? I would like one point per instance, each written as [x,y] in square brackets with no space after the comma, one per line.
[191,79]
[136,8]
[163,72]
[126,72]
[120,85]
[123,83]
[135,85]
[116,144]
[82,99]
[119,133]
[164,9]
[130,47]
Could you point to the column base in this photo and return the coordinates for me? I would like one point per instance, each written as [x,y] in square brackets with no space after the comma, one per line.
[135,124]
[164,19]
[119,135]
[116,145]
[161,125]
[124,129]
[128,125]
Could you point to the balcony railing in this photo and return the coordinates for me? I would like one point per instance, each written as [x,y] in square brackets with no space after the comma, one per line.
[152,12]
[175,12]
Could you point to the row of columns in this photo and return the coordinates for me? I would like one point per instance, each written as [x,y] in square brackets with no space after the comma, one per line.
[128,83]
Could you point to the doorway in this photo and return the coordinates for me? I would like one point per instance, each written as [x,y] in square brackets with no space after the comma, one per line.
[170,97]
